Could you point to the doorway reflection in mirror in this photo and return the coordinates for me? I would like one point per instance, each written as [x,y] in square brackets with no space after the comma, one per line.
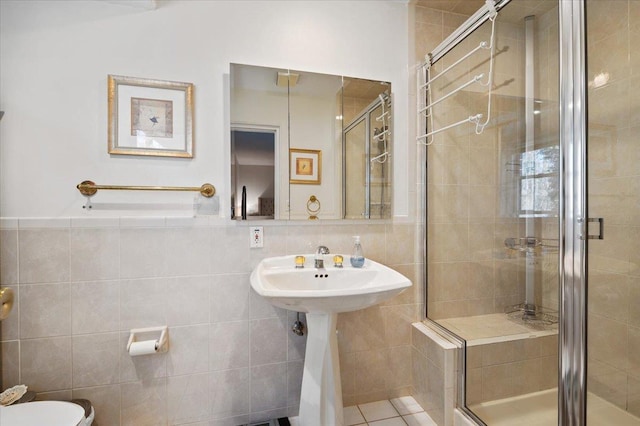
[252,173]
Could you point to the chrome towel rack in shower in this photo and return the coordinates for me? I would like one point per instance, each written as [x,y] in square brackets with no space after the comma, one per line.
[425,80]
[384,133]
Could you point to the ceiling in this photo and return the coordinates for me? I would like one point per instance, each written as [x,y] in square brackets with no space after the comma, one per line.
[251,77]
[515,11]
[141,4]
[463,7]
[363,89]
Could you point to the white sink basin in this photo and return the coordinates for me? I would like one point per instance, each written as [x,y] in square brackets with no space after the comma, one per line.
[323,293]
[327,290]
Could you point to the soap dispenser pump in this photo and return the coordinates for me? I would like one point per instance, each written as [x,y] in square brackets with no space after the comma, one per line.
[357,257]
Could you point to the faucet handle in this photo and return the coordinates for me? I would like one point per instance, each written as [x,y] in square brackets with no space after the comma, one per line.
[322,250]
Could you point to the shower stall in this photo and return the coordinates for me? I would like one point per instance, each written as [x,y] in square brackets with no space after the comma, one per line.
[367,153]
[530,113]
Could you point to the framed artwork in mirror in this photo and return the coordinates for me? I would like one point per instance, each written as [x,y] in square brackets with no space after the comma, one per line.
[305,166]
[150,117]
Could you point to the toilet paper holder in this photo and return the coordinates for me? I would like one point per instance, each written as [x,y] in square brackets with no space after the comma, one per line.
[161,343]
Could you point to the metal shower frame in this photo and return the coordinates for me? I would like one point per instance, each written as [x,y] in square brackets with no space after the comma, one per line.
[364,116]
[573,220]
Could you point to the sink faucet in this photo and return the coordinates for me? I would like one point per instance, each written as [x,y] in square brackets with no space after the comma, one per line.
[319,262]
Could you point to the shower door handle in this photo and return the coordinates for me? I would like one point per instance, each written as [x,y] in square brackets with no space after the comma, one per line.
[584,235]
[600,235]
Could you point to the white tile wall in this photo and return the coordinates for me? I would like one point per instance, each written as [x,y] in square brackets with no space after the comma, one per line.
[43,255]
[96,359]
[82,284]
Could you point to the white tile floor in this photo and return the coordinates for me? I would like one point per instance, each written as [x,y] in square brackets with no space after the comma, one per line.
[395,412]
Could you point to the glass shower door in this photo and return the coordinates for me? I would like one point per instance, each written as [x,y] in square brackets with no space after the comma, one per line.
[493,211]
[613,182]
[367,150]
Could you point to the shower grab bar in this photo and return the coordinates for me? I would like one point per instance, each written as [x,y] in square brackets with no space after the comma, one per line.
[470,119]
[481,45]
[448,95]
[89,188]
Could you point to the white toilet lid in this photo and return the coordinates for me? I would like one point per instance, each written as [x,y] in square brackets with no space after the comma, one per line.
[38,413]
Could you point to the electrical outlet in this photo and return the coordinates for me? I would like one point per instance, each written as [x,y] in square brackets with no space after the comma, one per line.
[257,237]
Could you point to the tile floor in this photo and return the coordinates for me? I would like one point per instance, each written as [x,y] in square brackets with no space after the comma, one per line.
[403,411]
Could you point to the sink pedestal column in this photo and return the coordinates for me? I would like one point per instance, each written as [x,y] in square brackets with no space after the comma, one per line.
[321,395]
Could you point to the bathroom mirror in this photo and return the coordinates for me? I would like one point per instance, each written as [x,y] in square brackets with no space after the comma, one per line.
[308,146]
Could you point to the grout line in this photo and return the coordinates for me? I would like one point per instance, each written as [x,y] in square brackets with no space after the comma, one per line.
[362,414]
[385,418]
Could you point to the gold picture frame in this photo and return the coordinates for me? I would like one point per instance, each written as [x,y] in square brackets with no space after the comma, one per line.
[149,117]
[305,166]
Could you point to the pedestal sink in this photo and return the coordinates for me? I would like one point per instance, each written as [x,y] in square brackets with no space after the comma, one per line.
[323,293]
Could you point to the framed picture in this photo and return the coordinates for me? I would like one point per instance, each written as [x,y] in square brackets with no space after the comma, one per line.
[150,117]
[305,166]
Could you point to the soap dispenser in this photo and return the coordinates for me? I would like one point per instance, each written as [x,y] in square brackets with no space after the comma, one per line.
[357,257]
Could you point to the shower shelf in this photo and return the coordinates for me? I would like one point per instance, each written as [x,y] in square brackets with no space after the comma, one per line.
[540,318]
[531,244]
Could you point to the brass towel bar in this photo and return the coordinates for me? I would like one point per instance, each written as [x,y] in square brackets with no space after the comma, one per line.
[89,188]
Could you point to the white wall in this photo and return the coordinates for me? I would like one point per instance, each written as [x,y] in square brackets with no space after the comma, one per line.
[55,57]
[312,126]
[309,120]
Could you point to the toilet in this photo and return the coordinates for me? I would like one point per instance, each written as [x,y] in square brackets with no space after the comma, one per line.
[50,413]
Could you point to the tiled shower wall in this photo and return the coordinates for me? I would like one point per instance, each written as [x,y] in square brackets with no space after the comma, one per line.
[435,373]
[81,284]
[511,368]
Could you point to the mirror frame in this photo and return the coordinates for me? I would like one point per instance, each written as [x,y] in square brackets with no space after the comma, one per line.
[340,201]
